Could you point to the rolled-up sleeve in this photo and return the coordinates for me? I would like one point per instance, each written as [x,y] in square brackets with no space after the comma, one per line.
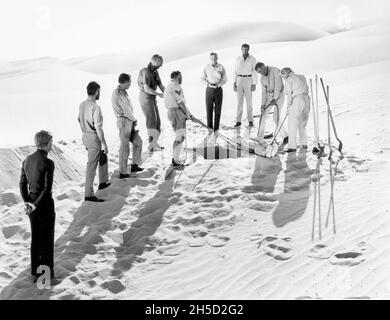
[97,117]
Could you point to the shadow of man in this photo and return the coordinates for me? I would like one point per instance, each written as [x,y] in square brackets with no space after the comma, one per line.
[265,175]
[293,201]
[150,217]
[90,222]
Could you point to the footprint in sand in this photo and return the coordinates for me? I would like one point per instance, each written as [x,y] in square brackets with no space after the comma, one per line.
[320,251]
[276,248]
[115,286]
[350,257]
[217,241]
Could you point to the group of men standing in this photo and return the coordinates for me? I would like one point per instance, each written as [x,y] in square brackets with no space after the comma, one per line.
[37,170]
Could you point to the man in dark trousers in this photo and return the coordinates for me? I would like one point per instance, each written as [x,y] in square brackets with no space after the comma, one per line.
[214,77]
[148,81]
[36,182]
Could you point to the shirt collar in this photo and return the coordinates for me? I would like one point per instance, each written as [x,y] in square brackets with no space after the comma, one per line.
[121,91]
[44,152]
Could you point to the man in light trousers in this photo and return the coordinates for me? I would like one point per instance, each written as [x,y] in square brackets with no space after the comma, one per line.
[272,98]
[91,124]
[245,80]
[126,122]
[298,104]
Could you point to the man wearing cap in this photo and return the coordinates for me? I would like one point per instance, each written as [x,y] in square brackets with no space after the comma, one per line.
[177,113]
[91,124]
[214,77]
[126,123]
[298,107]
[245,80]
[272,97]
[148,81]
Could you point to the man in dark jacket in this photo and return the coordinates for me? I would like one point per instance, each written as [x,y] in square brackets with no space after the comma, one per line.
[36,182]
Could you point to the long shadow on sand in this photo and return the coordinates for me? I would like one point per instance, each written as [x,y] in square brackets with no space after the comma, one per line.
[150,217]
[90,222]
[295,197]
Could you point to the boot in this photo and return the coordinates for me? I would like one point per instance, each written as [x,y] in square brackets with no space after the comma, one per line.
[238,124]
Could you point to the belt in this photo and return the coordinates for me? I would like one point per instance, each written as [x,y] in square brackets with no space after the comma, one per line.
[214,86]
[244,75]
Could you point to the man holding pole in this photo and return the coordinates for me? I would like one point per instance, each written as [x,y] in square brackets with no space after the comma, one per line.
[298,107]
[177,113]
[272,97]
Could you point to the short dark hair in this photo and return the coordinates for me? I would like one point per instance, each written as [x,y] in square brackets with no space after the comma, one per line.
[245,45]
[259,65]
[157,57]
[42,138]
[213,54]
[123,77]
[92,87]
[175,74]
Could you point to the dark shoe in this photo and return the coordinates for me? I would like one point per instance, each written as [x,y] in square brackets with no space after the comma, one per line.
[136,168]
[93,199]
[124,175]
[238,124]
[285,140]
[268,136]
[103,185]
[175,164]
[251,123]
[304,147]
[291,150]
[34,279]
[54,281]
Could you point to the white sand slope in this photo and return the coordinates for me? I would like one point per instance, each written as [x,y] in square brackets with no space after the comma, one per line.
[238,228]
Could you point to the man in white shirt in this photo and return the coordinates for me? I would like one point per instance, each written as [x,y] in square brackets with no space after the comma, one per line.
[245,80]
[298,104]
[272,94]
[177,113]
[126,122]
[214,77]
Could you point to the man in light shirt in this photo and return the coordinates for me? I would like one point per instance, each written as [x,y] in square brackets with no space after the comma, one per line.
[272,98]
[177,113]
[126,122]
[245,80]
[298,104]
[91,124]
[214,77]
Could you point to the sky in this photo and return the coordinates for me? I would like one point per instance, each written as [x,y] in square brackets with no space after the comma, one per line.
[77,28]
